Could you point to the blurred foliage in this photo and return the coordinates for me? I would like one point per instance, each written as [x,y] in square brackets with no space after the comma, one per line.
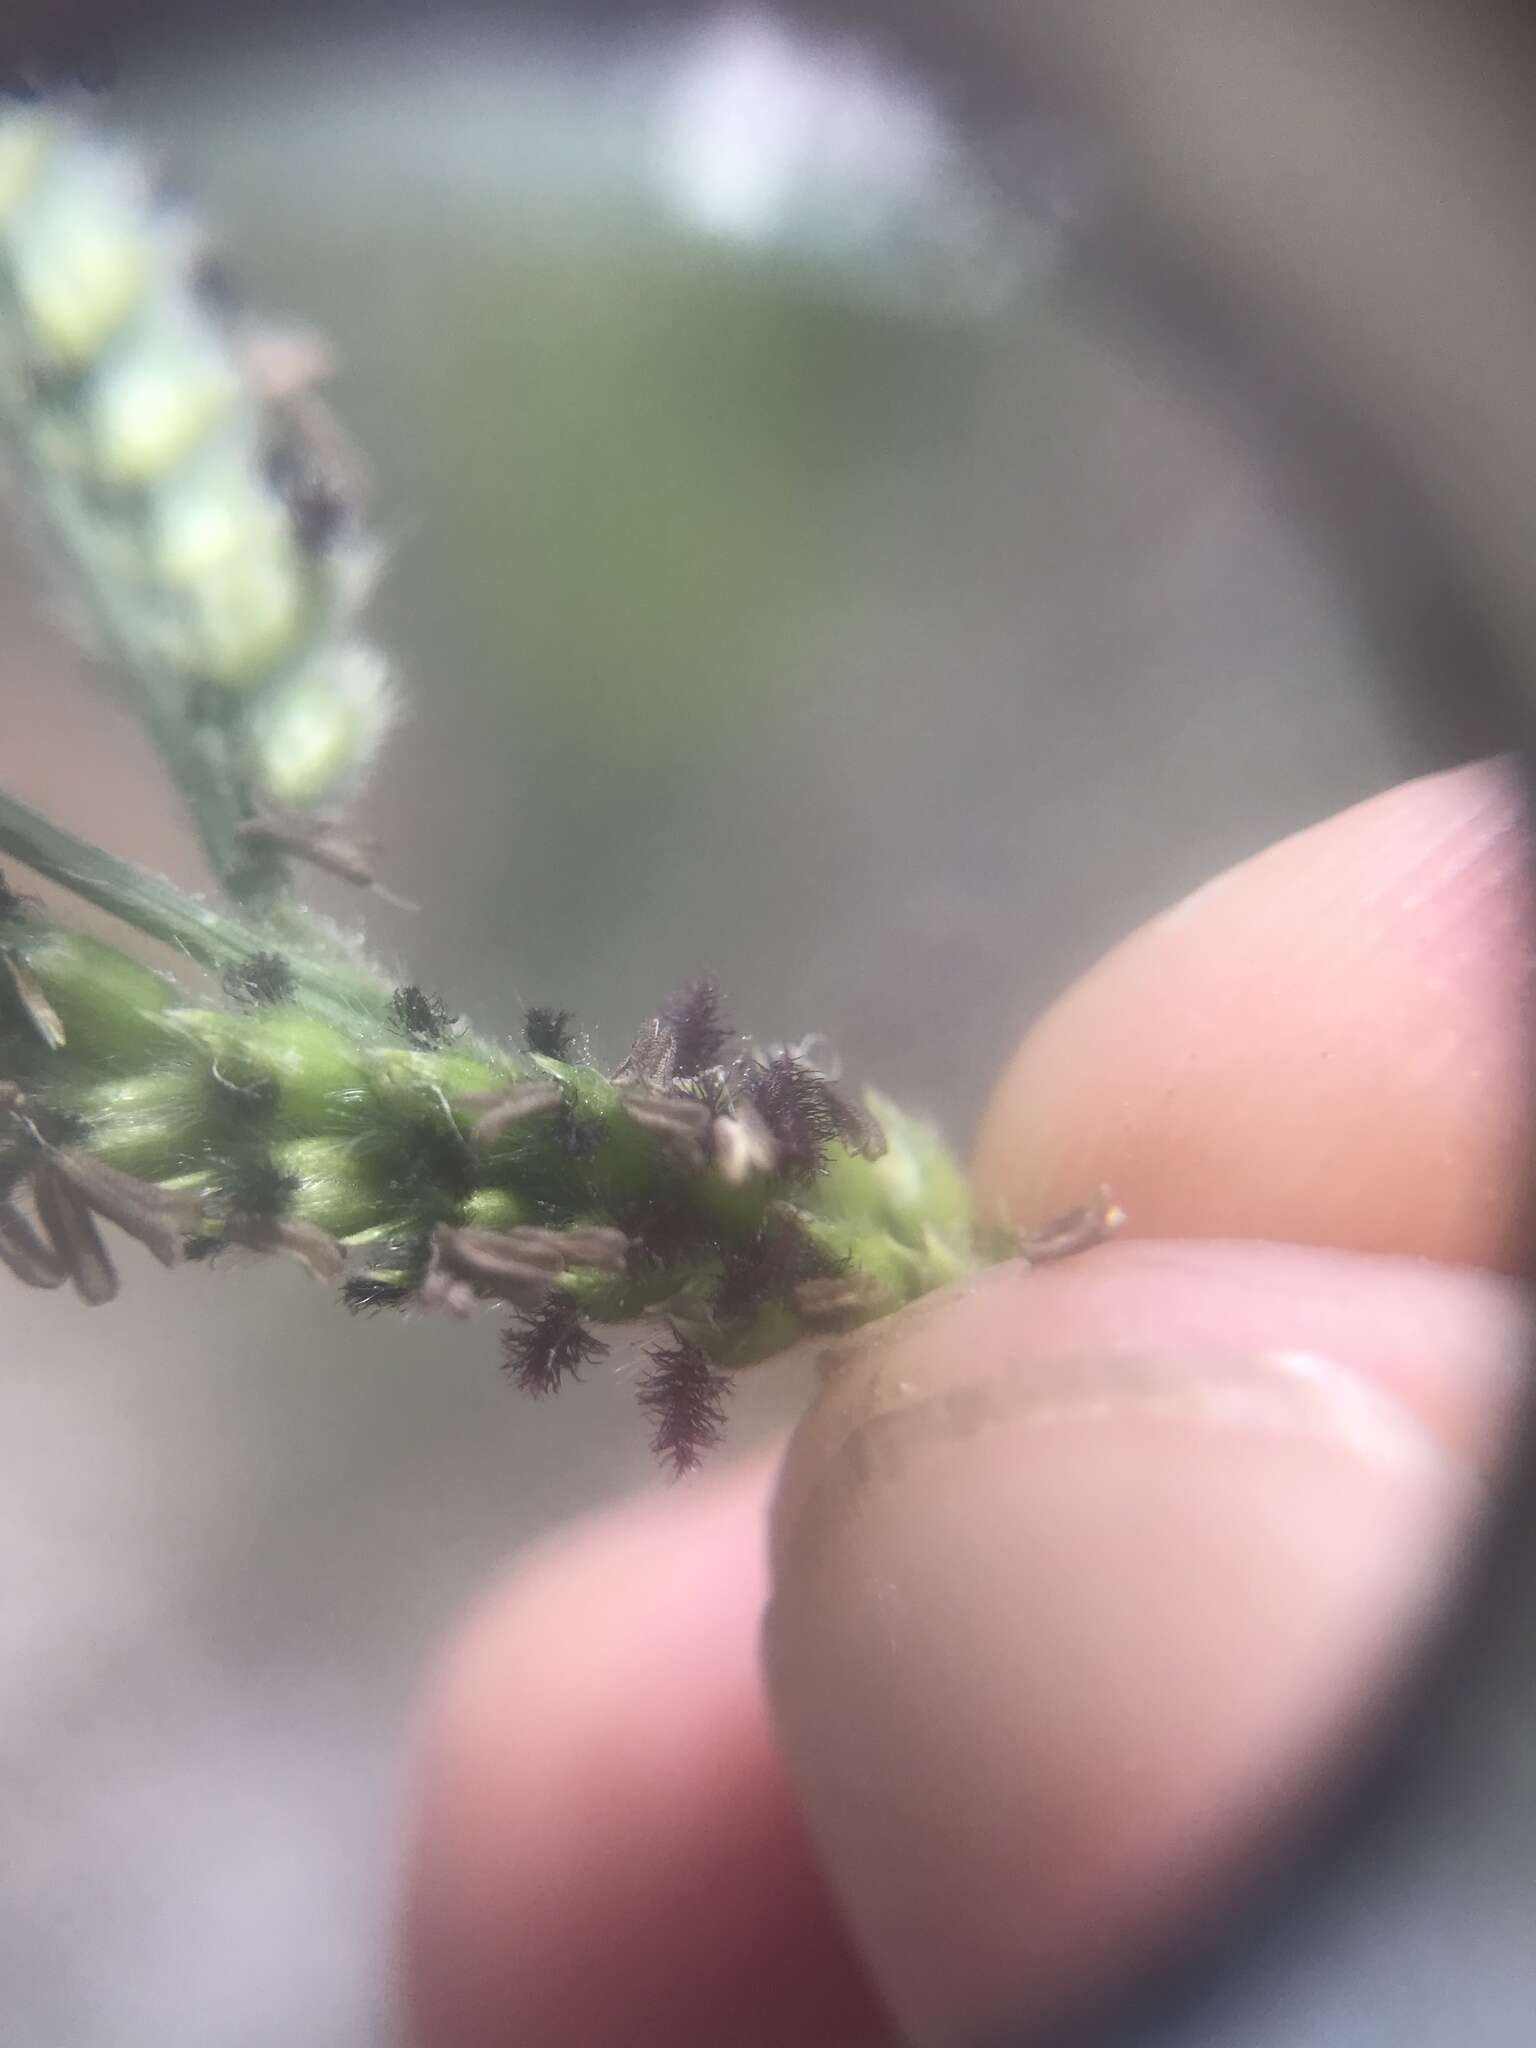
[666,454]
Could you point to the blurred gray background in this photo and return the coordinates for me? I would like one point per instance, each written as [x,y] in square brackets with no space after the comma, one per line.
[791,581]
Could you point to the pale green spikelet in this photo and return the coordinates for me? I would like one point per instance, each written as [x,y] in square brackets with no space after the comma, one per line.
[310,734]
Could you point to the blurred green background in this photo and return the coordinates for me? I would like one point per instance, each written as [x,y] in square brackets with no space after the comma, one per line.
[789,581]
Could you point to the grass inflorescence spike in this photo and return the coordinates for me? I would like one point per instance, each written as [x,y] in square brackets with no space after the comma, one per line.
[299,1103]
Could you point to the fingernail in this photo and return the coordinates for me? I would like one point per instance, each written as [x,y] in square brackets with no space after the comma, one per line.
[1051,1642]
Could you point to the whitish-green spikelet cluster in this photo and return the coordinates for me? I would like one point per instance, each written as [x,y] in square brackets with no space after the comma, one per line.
[195,483]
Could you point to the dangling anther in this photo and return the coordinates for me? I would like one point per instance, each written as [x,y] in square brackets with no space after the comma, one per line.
[1077,1231]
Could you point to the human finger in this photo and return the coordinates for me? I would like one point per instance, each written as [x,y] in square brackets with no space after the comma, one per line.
[1324,1046]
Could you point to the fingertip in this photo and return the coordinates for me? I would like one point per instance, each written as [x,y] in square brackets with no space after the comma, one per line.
[602,1846]
[1324,1046]
[1057,1634]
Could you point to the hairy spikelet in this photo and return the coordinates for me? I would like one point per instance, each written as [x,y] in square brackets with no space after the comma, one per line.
[805,1113]
[262,978]
[771,1265]
[685,1398]
[257,1188]
[368,1293]
[548,1032]
[423,1018]
[681,1042]
[697,1030]
[793,1102]
[544,1346]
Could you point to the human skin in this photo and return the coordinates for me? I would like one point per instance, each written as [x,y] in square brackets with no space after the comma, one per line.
[1070,1577]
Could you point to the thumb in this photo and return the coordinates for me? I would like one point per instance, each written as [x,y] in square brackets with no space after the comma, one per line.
[1079,1575]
